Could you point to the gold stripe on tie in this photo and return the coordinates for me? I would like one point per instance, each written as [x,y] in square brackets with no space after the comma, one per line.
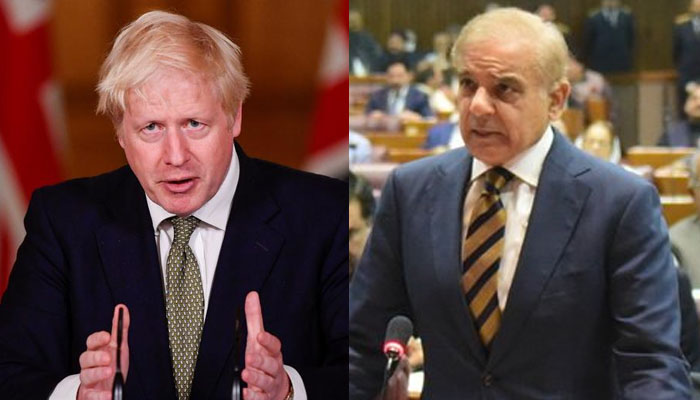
[482,249]
[184,303]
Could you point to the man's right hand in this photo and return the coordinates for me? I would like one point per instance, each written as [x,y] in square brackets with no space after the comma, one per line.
[397,387]
[99,362]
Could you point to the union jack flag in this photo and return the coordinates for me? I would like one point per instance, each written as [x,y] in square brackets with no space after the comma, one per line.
[31,134]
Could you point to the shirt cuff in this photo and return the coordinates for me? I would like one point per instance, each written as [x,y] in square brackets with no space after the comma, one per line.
[297,383]
[67,389]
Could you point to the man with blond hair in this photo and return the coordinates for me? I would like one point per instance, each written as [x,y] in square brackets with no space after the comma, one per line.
[530,269]
[208,254]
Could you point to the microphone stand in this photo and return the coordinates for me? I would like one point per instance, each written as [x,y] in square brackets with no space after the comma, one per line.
[118,386]
[237,387]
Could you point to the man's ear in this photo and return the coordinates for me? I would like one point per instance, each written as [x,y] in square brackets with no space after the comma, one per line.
[119,135]
[557,98]
[236,129]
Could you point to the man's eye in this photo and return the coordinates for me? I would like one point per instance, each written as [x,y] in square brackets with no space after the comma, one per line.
[468,85]
[505,91]
[193,124]
[151,128]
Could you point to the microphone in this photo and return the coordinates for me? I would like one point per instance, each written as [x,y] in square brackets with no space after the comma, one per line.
[398,331]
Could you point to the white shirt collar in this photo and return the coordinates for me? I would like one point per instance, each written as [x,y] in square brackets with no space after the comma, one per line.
[526,165]
[214,212]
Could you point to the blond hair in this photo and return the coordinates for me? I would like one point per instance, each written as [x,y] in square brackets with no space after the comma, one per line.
[551,52]
[158,40]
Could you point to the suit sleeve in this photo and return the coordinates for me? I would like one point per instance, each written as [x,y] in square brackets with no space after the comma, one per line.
[643,293]
[329,381]
[377,293]
[34,333]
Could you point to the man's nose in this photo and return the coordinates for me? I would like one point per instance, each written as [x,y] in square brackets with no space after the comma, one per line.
[176,148]
[481,104]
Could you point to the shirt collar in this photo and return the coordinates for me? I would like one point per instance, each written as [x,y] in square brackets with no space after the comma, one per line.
[214,212]
[526,165]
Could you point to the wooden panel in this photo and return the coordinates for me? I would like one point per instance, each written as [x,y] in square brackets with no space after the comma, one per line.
[676,208]
[656,156]
[395,140]
[654,20]
[407,155]
[671,182]
[417,128]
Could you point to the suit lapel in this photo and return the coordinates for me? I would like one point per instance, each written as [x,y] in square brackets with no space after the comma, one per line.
[445,208]
[127,247]
[247,255]
[555,212]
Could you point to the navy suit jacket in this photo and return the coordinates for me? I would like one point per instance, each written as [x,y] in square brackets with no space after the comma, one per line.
[609,48]
[416,101]
[679,134]
[686,52]
[90,245]
[593,308]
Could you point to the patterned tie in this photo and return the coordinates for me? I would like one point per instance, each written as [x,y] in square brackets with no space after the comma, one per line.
[482,249]
[184,305]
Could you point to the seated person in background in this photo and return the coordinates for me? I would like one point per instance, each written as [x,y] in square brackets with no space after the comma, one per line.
[399,98]
[440,56]
[600,141]
[431,81]
[396,52]
[359,147]
[587,85]
[360,211]
[685,132]
[690,326]
[685,234]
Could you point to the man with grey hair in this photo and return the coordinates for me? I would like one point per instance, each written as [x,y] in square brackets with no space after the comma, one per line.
[530,269]
[207,255]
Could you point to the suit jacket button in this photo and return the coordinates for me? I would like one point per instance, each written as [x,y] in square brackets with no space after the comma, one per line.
[487,380]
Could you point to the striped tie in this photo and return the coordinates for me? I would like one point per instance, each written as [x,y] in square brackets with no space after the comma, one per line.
[482,249]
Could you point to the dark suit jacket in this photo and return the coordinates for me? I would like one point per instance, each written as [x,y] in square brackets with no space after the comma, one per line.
[686,52]
[416,101]
[680,134]
[609,48]
[593,309]
[90,245]
[439,135]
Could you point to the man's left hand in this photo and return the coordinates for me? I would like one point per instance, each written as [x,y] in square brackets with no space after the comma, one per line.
[264,369]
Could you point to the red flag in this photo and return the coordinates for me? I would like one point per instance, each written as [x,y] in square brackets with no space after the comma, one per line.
[30,134]
[328,148]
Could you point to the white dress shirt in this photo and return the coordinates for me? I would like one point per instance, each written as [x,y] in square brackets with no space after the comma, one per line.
[517,197]
[397,100]
[206,241]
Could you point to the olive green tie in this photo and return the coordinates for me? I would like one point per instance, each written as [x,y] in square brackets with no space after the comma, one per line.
[184,304]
